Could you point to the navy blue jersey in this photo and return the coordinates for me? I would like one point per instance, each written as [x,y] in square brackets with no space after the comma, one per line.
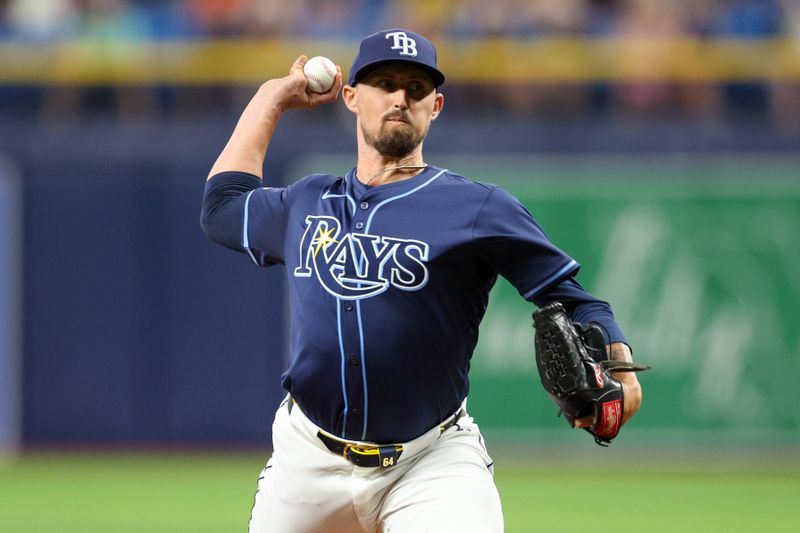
[387,287]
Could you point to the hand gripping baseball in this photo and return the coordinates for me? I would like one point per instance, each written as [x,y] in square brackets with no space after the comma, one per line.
[576,373]
[294,91]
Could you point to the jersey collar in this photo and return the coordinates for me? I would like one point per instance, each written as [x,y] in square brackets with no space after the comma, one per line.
[358,190]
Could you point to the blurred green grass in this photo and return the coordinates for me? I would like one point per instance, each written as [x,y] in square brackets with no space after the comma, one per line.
[199,492]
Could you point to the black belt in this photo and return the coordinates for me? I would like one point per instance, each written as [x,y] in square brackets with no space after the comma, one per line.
[374,456]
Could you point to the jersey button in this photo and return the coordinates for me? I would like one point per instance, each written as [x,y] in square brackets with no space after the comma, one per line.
[354,360]
[355,412]
[365,205]
[348,306]
[359,225]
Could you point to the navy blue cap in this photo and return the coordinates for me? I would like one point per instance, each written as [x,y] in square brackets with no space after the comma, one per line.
[395,45]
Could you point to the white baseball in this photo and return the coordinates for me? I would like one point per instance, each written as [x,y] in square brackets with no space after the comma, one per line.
[320,73]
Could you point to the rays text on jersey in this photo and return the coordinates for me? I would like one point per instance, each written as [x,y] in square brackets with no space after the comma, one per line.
[353,266]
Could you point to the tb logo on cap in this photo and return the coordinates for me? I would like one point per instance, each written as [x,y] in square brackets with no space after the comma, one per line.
[404,43]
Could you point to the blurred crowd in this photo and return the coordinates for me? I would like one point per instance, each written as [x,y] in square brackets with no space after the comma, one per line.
[164,19]
[55,20]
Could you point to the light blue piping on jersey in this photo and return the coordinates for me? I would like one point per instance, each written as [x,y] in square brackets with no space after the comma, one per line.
[363,368]
[341,351]
[393,198]
[245,239]
[358,302]
[550,279]
[327,194]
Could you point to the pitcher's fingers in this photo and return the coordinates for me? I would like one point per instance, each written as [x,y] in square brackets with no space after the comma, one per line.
[299,63]
[337,81]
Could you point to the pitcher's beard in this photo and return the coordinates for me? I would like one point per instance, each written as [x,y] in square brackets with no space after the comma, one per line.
[394,142]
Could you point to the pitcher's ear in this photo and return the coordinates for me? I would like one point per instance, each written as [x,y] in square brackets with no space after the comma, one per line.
[350,98]
[438,105]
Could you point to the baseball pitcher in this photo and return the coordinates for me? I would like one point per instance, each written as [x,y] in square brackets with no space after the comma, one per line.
[389,269]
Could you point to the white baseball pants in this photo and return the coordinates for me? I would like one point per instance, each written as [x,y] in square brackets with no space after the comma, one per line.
[442,483]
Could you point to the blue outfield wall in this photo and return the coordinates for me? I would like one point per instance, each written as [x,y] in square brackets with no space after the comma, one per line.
[137,329]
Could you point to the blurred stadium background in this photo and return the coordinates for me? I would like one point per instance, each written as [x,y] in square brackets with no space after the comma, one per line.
[656,140]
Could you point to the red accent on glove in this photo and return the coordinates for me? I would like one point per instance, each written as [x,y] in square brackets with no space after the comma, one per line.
[598,375]
[610,419]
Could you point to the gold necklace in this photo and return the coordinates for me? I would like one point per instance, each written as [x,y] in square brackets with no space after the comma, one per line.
[388,169]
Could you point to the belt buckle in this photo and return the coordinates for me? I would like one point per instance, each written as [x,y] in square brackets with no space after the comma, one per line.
[347,448]
[357,448]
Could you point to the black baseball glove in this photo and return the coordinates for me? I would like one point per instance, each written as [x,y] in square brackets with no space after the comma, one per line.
[576,371]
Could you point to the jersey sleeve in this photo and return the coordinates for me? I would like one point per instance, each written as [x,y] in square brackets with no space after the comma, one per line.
[245,218]
[264,231]
[517,246]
